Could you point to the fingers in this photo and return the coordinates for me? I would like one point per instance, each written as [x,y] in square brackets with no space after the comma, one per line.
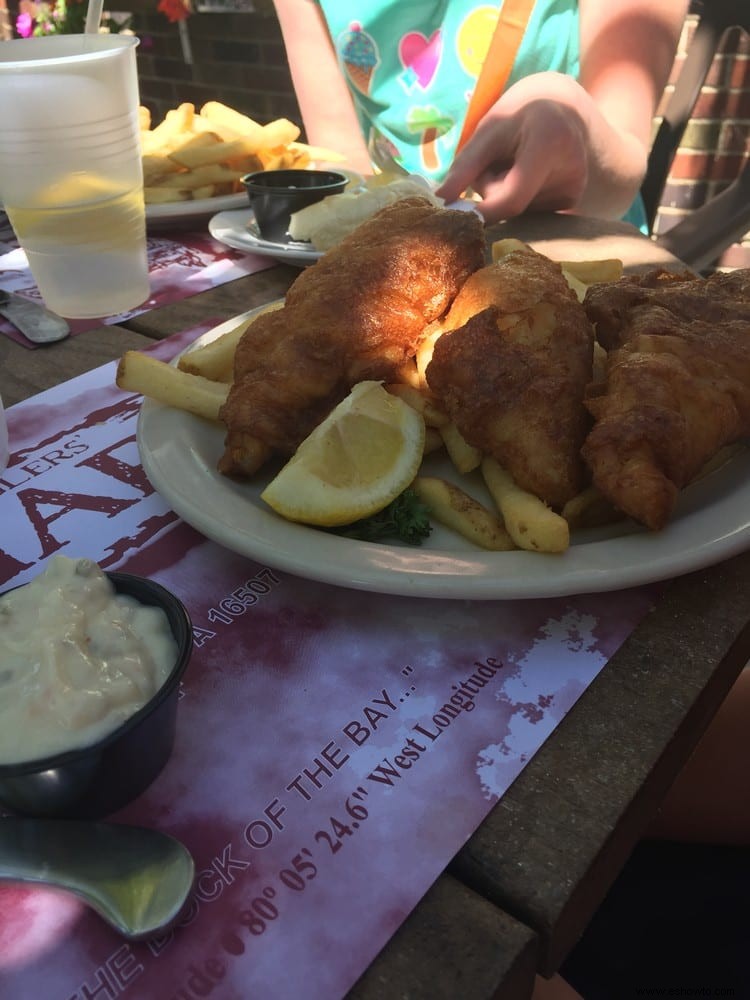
[492,141]
[535,158]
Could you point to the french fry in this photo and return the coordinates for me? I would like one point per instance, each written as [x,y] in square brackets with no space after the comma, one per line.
[425,348]
[165,196]
[318,153]
[577,272]
[144,118]
[419,401]
[148,376]
[298,158]
[204,151]
[245,165]
[501,248]
[213,173]
[271,159]
[593,272]
[464,456]
[578,286]
[433,440]
[226,118]
[215,360]
[193,141]
[457,510]
[530,522]
[181,117]
[599,365]
[408,374]
[208,152]
[589,509]
[164,136]
[210,191]
[156,165]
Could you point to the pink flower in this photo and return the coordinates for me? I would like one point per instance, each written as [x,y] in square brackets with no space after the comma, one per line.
[24,25]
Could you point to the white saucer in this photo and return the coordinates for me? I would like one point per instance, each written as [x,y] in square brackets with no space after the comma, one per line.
[237,230]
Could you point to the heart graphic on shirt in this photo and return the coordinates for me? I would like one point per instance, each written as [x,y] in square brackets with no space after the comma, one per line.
[421,55]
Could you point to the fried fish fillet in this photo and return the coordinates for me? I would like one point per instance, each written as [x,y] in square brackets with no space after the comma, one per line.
[677,385]
[356,314]
[510,368]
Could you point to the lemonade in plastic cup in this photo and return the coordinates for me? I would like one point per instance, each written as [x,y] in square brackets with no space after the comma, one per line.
[71,175]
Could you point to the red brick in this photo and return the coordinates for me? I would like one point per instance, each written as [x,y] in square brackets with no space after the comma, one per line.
[723,104]
[739,78]
[708,166]
[719,72]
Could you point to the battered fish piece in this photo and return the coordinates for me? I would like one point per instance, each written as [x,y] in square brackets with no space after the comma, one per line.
[677,385]
[354,315]
[511,367]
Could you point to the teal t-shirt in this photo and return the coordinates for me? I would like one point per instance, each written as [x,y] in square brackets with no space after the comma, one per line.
[412,65]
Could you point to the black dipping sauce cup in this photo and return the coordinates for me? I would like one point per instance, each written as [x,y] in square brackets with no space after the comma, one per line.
[275,195]
[92,781]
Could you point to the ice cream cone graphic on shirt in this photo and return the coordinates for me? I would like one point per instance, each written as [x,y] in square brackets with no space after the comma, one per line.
[359,56]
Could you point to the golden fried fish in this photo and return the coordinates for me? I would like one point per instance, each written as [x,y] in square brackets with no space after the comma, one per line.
[510,368]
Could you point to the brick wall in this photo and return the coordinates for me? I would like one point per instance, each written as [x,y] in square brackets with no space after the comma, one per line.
[716,141]
[239,58]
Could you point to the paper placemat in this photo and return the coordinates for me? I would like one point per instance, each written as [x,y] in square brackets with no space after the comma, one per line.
[180,265]
[334,749]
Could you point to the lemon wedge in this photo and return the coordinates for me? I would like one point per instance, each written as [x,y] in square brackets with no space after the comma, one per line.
[362,456]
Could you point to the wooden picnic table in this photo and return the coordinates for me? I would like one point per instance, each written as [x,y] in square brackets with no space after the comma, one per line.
[518,895]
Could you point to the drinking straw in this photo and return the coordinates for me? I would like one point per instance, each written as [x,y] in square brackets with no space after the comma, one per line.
[93,17]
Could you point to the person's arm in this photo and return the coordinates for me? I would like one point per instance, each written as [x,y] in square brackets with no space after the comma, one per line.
[325,102]
[551,142]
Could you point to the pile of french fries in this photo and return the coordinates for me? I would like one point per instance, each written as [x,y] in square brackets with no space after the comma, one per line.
[517,519]
[192,154]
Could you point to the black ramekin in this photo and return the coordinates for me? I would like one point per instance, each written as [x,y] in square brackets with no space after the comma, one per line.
[92,781]
[275,195]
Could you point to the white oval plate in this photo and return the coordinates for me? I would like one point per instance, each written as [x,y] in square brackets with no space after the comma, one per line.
[179,453]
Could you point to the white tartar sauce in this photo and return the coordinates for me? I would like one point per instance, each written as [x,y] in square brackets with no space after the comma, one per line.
[76,660]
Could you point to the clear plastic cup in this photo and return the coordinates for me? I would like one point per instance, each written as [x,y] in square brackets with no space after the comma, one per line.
[71,175]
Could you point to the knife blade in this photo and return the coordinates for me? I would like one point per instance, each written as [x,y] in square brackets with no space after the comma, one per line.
[36,323]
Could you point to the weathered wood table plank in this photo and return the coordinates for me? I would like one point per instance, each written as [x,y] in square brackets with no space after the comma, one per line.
[553,845]
[25,372]
[454,944]
[217,304]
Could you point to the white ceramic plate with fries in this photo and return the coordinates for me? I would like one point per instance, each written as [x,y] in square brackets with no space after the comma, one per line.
[198,210]
[194,158]
[179,453]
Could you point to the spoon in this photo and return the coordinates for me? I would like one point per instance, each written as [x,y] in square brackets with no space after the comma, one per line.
[136,879]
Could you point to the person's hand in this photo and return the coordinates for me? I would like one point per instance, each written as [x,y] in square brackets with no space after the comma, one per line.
[548,145]
[533,159]
[524,155]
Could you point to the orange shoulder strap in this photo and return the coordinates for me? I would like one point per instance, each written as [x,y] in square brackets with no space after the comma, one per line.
[506,40]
